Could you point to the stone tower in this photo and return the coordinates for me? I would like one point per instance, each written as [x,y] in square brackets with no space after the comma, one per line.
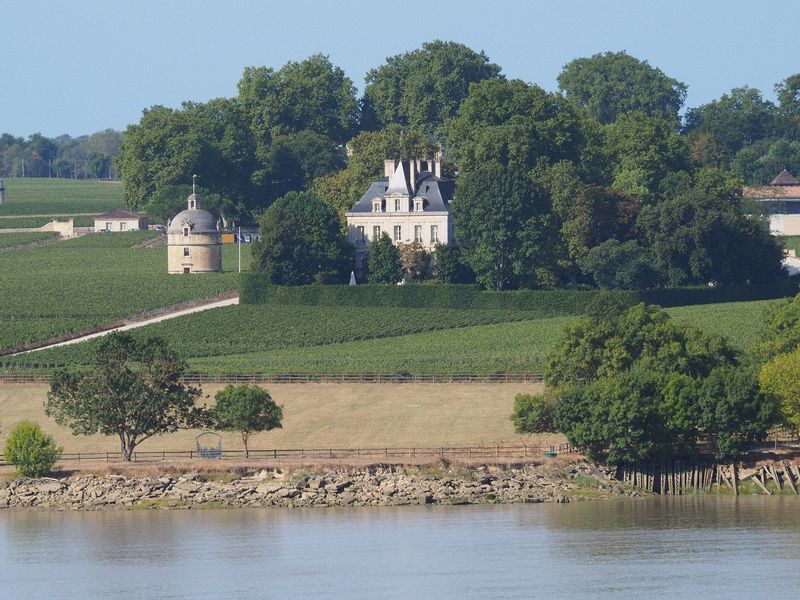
[193,241]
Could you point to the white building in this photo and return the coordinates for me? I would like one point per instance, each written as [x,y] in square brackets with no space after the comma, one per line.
[121,220]
[781,201]
[193,241]
[411,203]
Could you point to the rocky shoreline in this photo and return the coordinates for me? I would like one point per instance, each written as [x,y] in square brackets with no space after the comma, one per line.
[364,486]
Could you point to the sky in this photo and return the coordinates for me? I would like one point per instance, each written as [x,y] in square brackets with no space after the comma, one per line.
[81,66]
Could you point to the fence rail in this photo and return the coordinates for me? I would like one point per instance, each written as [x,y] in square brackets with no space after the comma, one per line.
[468,452]
[200,378]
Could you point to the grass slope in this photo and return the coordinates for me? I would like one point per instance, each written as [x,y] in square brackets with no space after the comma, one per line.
[31,196]
[93,280]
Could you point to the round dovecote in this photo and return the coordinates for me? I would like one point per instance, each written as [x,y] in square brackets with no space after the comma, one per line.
[193,241]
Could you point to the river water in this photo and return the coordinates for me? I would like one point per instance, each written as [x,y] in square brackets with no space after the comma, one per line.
[686,547]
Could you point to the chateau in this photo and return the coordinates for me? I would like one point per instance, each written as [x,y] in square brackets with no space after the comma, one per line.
[411,203]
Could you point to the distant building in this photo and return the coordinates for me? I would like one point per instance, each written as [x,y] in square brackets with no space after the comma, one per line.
[193,241]
[411,203]
[121,220]
[781,202]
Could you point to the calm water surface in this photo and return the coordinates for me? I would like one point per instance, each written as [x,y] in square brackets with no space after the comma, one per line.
[661,547]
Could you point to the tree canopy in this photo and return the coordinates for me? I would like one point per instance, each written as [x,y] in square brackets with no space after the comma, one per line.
[613,83]
[245,409]
[424,87]
[302,242]
[134,391]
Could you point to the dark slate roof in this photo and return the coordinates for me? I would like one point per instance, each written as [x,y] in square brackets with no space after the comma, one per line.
[121,213]
[437,192]
[784,178]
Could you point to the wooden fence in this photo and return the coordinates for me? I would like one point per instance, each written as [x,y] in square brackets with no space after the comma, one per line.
[459,452]
[224,378]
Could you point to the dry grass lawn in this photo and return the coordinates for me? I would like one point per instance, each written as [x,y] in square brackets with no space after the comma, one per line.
[330,415]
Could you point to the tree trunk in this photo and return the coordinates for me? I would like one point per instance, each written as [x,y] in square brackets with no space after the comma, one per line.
[246,450]
[126,447]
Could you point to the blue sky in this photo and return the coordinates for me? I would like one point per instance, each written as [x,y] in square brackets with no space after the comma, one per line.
[81,66]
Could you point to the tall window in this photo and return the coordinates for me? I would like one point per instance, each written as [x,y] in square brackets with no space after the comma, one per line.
[434,234]
[186,252]
[123,226]
[417,233]
[397,205]
[186,231]
[398,233]
[376,232]
[360,234]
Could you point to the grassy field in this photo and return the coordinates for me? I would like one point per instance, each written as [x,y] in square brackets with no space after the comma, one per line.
[32,196]
[291,339]
[7,240]
[94,280]
[330,416]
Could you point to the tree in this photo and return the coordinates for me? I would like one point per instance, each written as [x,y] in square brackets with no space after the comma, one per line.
[619,265]
[534,413]
[448,265]
[736,120]
[383,261]
[32,451]
[246,409]
[424,87]
[614,83]
[781,332]
[504,226]
[312,95]
[135,390]
[415,260]
[695,238]
[633,385]
[779,379]
[302,242]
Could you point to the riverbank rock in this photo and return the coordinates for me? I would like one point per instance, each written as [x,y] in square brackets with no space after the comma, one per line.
[367,486]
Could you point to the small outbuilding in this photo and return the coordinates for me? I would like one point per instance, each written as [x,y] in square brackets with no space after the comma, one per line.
[121,219]
[193,241]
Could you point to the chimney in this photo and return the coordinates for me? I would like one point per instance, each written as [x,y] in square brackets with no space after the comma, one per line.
[388,167]
[437,165]
[412,176]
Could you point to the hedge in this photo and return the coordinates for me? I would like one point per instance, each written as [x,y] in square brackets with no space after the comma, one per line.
[255,288]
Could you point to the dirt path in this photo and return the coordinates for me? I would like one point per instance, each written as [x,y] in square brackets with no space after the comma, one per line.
[134,324]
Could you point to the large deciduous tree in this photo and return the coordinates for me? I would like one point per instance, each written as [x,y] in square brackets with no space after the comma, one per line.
[424,87]
[504,226]
[613,83]
[245,409]
[134,390]
[302,242]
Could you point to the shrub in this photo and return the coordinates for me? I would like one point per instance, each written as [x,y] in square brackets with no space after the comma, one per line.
[534,413]
[31,450]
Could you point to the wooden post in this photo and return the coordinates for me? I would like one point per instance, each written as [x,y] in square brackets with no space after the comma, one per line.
[735,477]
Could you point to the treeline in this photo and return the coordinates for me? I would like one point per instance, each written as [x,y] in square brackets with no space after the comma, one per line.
[602,183]
[83,157]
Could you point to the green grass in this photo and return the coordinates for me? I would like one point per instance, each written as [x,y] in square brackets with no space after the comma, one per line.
[37,222]
[791,242]
[301,339]
[8,240]
[93,280]
[32,196]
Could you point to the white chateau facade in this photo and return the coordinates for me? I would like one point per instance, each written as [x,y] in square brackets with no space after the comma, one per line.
[411,203]
[781,201]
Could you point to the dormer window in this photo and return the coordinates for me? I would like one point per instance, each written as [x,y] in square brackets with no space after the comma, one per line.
[185,231]
[418,205]
[376,205]
[397,205]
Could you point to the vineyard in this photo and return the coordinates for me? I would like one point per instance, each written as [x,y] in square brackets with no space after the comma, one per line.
[301,339]
[36,222]
[58,196]
[9,240]
[94,280]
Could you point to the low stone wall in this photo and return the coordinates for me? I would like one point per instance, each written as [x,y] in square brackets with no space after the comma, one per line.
[371,486]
